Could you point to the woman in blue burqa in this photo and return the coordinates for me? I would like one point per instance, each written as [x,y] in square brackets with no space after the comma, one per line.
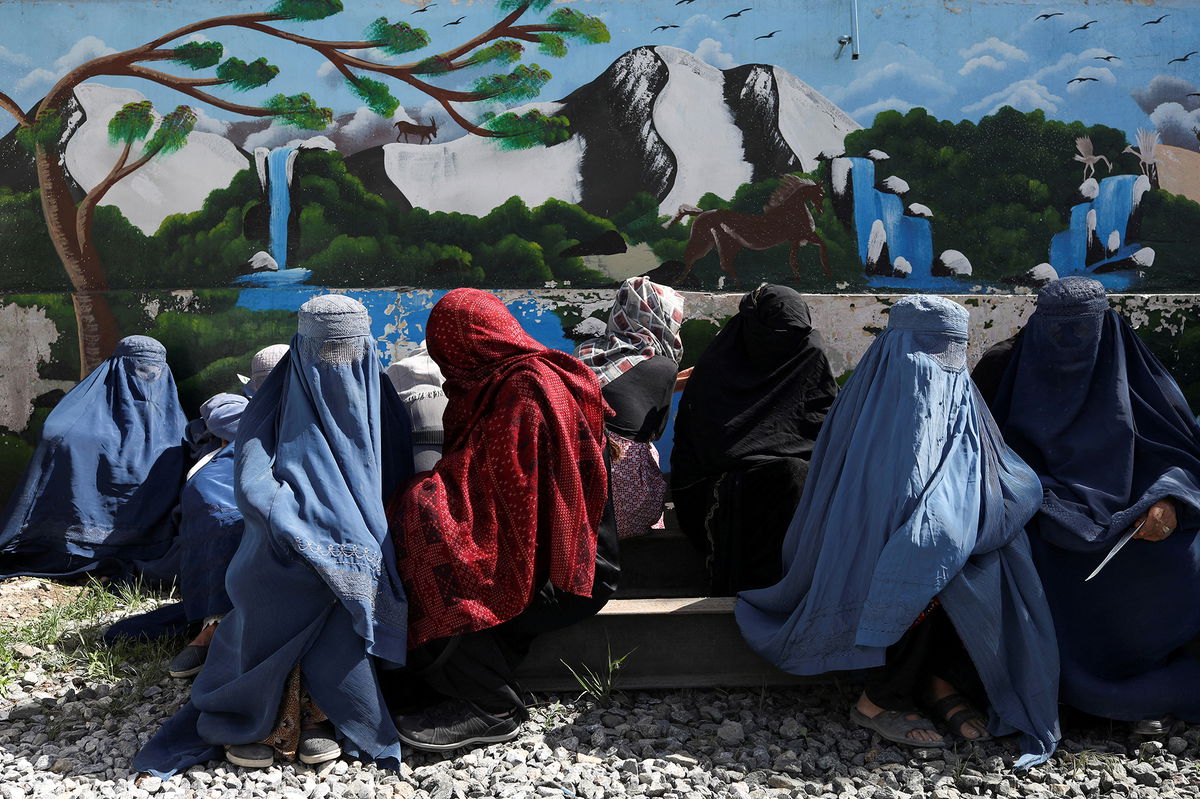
[1098,417]
[317,604]
[907,554]
[98,493]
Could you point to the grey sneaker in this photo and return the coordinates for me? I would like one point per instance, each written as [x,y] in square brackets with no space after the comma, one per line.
[188,662]
[317,745]
[250,755]
[455,724]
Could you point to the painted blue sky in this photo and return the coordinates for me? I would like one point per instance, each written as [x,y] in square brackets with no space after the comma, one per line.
[957,58]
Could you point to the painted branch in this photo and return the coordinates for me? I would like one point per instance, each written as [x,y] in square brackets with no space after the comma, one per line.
[10,105]
[171,82]
[467,125]
[87,208]
[236,20]
[497,31]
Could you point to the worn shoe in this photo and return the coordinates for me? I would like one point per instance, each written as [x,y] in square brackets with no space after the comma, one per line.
[455,724]
[317,745]
[188,662]
[250,755]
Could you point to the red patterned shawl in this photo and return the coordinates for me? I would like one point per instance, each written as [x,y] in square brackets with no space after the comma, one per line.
[519,491]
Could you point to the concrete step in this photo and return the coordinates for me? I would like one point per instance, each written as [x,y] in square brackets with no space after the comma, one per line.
[681,642]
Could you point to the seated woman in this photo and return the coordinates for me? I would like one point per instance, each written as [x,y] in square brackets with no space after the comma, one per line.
[1117,450]
[744,434]
[317,603]
[202,443]
[510,535]
[418,381]
[210,530]
[260,367]
[98,493]
[909,539]
[637,363]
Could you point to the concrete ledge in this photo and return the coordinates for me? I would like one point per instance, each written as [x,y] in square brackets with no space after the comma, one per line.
[682,642]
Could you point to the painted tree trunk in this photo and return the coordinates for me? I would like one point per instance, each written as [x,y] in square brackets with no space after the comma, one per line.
[95,324]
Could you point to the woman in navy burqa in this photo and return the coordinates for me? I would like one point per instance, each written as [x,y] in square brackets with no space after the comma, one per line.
[317,603]
[98,493]
[1117,450]
[907,553]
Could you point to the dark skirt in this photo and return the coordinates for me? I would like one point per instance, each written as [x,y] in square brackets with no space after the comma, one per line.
[739,519]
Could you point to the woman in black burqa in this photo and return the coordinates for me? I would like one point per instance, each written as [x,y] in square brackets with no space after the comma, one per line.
[745,430]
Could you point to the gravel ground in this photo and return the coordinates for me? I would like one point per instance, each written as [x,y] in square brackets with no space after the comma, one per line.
[65,735]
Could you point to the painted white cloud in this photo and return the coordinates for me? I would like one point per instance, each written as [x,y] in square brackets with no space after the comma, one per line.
[1176,125]
[867,113]
[37,78]
[206,123]
[995,47]
[14,59]
[1023,95]
[906,75]
[983,62]
[329,75]
[277,134]
[85,49]
[711,51]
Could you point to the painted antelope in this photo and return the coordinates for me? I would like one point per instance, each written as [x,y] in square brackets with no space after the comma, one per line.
[785,218]
[426,133]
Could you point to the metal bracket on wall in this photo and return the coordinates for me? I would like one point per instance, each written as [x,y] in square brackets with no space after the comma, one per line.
[852,37]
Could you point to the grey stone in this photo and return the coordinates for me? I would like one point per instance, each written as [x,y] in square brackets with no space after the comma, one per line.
[731,732]
[1176,746]
[1144,774]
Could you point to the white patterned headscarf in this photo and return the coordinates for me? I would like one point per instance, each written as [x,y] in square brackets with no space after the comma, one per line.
[644,322]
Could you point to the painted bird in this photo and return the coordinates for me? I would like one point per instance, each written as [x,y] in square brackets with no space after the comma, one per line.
[1156,21]
[768,35]
[423,9]
[1184,58]
[1109,58]
[1080,80]
[1048,16]
[1084,26]
[738,14]
[455,22]
[664,28]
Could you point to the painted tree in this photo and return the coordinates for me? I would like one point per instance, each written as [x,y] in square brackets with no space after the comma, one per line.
[135,127]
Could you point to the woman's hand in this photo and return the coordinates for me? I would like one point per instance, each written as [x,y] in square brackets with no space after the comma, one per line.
[1159,521]
[682,378]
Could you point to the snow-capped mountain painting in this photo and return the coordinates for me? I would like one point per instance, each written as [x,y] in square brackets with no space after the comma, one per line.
[659,120]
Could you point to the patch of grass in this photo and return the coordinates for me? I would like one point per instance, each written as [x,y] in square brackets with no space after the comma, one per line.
[69,636]
[599,685]
[1078,763]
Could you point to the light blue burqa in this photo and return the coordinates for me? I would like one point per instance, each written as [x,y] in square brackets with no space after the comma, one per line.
[912,494]
[314,582]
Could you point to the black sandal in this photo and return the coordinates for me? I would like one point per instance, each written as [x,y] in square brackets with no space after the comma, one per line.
[894,726]
[955,722]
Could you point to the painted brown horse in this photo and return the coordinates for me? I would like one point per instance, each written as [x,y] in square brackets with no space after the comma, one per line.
[785,218]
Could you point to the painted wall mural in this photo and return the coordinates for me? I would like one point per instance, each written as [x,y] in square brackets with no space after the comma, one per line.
[221,161]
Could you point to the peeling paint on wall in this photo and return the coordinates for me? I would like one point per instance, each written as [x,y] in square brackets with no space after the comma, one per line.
[27,334]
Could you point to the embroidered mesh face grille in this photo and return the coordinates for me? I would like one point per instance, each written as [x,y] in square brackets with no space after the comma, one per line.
[336,352]
[948,352]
